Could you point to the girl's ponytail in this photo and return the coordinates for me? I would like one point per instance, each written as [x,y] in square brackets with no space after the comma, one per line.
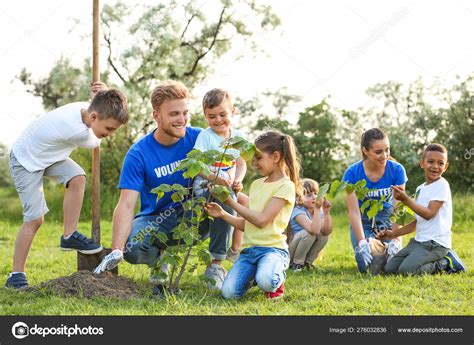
[276,141]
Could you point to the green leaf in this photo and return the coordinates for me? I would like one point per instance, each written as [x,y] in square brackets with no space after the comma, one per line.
[334,186]
[364,205]
[161,237]
[373,210]
[194,169]
[221,193]
[350,188]
[176,197]
[323,190]
[361,183]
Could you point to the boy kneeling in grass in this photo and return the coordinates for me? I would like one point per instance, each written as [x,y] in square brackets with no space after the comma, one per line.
[43,150]
[430,251]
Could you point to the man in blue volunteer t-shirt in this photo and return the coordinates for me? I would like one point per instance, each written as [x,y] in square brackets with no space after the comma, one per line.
[148,164]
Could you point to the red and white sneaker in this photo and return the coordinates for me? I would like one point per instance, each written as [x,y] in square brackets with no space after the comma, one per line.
[278,294]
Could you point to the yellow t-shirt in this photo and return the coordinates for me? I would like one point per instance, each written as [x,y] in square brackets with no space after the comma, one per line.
[259,195]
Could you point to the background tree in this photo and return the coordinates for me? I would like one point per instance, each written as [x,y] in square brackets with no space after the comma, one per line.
[170,40]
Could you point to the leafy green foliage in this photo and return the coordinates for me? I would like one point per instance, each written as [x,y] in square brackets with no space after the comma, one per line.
[186,234]
[402,214]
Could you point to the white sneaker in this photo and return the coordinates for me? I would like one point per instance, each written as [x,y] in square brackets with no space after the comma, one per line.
[159,277]
[216,275]
[231,255]
[110,261]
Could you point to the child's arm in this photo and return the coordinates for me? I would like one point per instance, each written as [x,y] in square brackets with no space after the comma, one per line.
[215,210]
[240,171]
[259,219]
[391,234]
[216,179]
[326,229]
[425,212]
[313,226]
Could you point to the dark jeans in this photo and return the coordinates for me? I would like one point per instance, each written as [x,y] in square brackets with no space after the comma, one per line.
[147,251]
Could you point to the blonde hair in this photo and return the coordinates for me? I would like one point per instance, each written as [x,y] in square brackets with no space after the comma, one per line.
[276,141]
[308,186]
[168,90]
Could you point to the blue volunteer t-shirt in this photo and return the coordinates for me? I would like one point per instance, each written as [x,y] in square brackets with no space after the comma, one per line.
[394,174]
[149,164]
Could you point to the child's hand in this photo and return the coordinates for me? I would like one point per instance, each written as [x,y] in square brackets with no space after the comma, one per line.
[326,206]
[211,186]
[96,87]
[399,193]
[384,234]
[319,203]
[237,186]
[223,181]
[214,210]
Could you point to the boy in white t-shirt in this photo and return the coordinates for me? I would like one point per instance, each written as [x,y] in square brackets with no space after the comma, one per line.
[218,111]
[430,251]
[43,150]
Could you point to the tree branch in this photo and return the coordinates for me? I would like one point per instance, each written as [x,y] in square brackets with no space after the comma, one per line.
[109,59]
[214,38]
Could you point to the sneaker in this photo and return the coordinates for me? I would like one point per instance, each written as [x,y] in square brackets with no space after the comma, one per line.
[455,264]
[159,277]
[216,275]
[296,267]
[17,281]
[309,266]
[110,261]
[81,243]
[278,294]
[231,255]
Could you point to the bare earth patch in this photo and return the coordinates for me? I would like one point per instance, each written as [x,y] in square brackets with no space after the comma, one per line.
[86,284]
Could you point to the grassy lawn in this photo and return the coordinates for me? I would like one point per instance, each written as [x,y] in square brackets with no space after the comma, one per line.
[335,288]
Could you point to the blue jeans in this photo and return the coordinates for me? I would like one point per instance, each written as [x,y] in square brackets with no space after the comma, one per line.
[266,265]
[147,251]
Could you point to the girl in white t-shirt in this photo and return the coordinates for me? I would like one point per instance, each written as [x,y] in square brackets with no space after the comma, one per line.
[430,251]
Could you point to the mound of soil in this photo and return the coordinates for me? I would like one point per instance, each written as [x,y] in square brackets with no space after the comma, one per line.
[86,284]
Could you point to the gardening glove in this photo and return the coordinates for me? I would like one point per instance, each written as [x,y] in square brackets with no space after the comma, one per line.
[363,250]
[110,261]
[394,247]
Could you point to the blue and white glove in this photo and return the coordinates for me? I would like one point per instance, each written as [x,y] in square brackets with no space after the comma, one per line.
[363,250]
[394,247]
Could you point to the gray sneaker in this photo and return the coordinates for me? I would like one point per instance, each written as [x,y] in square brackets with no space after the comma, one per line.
[216,275]
[159,276]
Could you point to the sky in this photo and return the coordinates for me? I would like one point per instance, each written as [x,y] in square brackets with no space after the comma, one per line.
[337,48]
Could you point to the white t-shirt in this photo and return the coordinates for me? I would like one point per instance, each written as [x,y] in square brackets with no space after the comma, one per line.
[53,136]
[438,228]
[209,140]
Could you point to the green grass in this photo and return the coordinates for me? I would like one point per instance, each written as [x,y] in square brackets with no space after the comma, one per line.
[336,288]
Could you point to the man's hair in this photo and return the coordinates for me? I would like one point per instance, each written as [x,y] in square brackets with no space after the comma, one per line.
[168,90]
[110,103]
[215,97]
[435,147]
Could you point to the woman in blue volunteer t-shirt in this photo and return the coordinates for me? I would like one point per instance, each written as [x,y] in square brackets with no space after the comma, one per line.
[380,173]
